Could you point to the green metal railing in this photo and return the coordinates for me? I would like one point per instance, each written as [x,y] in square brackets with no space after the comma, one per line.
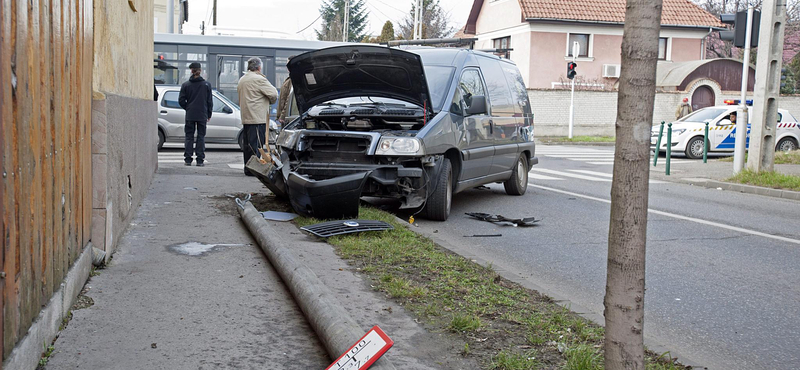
[658,144]
[669,144]
[705,145]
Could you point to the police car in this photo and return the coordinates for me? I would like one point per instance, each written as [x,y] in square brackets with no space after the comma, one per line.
[688,132]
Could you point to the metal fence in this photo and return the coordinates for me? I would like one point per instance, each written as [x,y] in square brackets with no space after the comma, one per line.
[45,137]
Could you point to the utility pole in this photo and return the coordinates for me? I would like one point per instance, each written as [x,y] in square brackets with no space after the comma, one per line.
[575,50]
[170,16]
[214,14]
[767,89]
[202,27]
[346,27]
[416,20]
[741,121]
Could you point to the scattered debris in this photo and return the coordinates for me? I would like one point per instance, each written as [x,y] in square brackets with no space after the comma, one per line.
[483,236]
[482,187]
[328,229]
[189,188]
[278,216]
[498,219]
[153,345]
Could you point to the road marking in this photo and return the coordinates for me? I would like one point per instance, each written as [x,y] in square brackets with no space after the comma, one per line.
[611,175]
[238,166]
[603,174]
[170,161]
[601,163]
[680,217]
[567,174]
[542,177]
[580,155]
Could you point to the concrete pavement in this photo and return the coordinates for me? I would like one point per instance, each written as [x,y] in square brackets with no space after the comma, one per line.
[188,289]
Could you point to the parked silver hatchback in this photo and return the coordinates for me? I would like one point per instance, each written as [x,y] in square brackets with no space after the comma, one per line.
[225,126]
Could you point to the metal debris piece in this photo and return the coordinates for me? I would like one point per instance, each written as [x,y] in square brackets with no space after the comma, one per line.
[328,229]
[278,216]
[501,220]
[483,236]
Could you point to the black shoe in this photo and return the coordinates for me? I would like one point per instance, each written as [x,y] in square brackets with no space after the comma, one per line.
[187,164]
[200,164]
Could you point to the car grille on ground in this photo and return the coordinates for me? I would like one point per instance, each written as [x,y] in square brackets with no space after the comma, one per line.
[328,229]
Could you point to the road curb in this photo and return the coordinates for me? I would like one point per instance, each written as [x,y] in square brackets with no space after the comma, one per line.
[329,319]
[562,301]
[742,188]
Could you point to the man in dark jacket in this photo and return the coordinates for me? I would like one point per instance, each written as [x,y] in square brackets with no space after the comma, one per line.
[195,98]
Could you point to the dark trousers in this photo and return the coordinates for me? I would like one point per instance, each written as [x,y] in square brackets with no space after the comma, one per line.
[254,136]
[188,143]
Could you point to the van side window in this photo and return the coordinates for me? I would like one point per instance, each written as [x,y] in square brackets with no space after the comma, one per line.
[170,100]
[470,85]
[519,93]
[499,93]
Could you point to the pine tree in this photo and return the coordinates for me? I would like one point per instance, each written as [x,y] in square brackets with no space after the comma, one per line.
[435,22]
[332,12]
[387,33]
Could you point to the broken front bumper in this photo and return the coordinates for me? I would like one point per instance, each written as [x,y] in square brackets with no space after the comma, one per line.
[333,190]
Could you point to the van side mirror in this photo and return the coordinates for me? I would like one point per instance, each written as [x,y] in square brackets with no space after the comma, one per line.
[478,105]
[227,110]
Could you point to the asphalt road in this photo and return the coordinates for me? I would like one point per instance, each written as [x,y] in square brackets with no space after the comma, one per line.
[723,268]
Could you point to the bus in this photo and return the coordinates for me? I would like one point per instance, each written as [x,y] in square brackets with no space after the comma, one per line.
[224,59]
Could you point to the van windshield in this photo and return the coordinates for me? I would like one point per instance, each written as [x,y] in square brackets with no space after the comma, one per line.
[438,78]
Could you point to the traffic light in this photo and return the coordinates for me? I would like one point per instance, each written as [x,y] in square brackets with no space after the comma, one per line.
[571,70]
[739,31]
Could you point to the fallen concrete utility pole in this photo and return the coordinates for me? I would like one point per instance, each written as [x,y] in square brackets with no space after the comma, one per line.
[333,325]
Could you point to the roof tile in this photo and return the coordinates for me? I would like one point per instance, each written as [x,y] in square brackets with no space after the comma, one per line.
[674,12]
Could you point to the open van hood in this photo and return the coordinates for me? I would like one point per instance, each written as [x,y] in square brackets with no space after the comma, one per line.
[357,70]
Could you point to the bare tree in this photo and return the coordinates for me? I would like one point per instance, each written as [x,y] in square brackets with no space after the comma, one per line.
[627,234]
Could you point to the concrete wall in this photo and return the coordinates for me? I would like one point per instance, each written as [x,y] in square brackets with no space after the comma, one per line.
[596,111]
[683,50]
[123,48]
[498,15]
[124,131]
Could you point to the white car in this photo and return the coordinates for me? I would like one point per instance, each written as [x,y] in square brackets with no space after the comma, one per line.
[225,126]
[688,132]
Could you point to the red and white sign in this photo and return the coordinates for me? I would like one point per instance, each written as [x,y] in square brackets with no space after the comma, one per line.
[365,352]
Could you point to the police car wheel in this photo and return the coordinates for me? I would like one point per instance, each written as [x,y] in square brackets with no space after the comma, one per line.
[694,148]
[786,144]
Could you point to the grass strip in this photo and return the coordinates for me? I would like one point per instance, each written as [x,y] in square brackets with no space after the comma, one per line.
[503,325]
[774,180]
[792,157]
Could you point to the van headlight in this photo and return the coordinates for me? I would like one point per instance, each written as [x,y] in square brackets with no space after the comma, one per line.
[287,138]
[400,146]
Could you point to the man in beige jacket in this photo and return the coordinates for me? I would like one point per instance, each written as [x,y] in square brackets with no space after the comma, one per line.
[256,94]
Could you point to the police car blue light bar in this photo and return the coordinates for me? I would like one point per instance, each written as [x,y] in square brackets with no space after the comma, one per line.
[738,101]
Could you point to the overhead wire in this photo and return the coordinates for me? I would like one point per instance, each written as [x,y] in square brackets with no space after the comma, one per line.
[312,23]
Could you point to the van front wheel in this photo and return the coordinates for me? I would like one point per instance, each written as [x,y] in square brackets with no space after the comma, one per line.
[439,200]
[518,183]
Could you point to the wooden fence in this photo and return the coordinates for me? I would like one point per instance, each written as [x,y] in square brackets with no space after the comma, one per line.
[45,142]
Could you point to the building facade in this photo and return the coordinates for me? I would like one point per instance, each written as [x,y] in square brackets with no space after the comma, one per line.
[541,34]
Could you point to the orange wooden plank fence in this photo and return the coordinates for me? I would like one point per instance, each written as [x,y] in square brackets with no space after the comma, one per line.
[45,152]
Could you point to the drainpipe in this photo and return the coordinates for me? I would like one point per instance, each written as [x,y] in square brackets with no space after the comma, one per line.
[703,43]
[170,16]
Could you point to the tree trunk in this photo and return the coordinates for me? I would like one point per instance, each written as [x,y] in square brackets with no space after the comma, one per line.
[624,300]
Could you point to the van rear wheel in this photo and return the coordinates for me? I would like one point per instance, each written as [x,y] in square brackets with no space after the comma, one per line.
[438,206]
[518,183]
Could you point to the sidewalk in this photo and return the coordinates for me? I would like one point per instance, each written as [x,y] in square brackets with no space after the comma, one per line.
[162,304]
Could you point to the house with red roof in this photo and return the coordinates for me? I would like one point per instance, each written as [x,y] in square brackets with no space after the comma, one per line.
[542,32]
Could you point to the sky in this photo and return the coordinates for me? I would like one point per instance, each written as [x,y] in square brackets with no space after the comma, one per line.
[287,18]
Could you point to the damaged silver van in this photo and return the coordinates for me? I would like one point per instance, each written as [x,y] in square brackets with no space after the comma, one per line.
[417,125]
